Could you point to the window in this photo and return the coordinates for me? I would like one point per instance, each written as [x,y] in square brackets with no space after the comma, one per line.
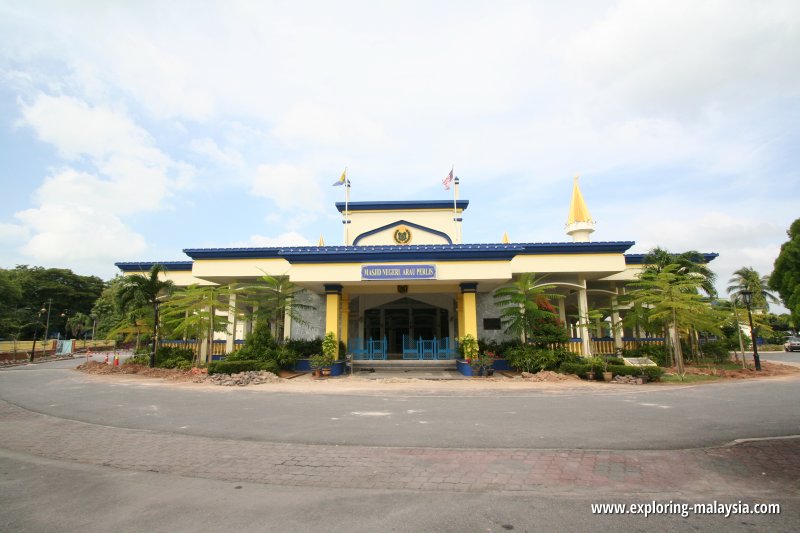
[491,323]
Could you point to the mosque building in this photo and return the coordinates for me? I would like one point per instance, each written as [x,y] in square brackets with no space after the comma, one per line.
[405,286]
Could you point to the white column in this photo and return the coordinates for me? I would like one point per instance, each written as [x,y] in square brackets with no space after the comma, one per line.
[230,334]
[583,320]
[287,324]
[616,324]
[562,312]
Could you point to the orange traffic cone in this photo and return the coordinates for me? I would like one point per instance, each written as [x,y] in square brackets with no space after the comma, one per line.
[116,359]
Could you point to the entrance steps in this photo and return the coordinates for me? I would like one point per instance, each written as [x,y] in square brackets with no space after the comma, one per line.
[405,364]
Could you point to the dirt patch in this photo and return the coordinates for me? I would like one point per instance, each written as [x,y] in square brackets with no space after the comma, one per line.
[549,376]
[171,374]
[768,369]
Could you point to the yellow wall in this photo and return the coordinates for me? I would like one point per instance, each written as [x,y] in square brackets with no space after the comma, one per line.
[568,263]
[438,219]
[239,268]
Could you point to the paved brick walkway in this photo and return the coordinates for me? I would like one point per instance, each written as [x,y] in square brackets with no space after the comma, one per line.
[753,468]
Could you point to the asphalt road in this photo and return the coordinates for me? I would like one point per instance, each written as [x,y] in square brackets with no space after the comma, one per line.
[652,417]
[43,495]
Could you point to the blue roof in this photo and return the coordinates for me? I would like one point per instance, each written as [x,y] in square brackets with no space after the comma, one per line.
[638,259]
[418,252]
[144,266]
[402,205]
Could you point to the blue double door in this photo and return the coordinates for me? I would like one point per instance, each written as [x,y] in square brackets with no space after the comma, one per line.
[405,319]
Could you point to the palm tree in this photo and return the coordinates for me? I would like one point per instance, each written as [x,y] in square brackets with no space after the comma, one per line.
[192,312]
[747,278]
[671,299]
[691,262]
[146,290]
[525,306]
[275,297]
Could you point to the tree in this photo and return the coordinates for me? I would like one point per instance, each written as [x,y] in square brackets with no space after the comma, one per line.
[192,312]
[691,262]
[671,299]
[106,310]
[79,325]
[747,278]
[145,290]
[527,312]
[785,278]
[275,297]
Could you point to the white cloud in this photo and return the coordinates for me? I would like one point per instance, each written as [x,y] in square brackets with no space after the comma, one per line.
[288,186]
[209,148]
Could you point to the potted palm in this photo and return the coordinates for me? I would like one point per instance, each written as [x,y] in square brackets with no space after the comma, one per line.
[594,363]
[607,376]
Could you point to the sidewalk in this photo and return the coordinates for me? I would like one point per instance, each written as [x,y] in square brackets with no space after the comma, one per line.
[757,468]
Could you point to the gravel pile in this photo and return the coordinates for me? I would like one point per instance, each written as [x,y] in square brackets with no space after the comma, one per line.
[241,379]
[629,380]
[547,375]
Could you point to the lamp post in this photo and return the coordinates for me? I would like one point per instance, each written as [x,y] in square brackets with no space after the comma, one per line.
[36,331]
[65,316]
[747,296]
[47,327]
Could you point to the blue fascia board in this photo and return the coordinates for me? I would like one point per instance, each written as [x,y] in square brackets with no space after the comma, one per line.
[638,259]
[401,205]
[420,252]
[144,266]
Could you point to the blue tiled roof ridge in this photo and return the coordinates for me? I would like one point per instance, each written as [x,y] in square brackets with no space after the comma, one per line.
[395,247]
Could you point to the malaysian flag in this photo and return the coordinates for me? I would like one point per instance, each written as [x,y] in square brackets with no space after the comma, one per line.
[448,180]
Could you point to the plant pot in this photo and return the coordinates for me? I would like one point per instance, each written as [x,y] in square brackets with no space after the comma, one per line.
[490,372]
[607,376]
[326,371]
[641,380]
[590,376]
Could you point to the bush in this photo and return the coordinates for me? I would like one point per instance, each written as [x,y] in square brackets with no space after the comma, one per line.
[303,348]
[170,357]
[141,359]
[716,350]
[234,367]
[613,360]
[579,369]
[530,358]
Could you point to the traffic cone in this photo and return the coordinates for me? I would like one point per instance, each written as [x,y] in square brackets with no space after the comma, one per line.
[116,359]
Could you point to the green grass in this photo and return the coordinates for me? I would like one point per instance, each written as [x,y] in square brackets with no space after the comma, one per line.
[688,378]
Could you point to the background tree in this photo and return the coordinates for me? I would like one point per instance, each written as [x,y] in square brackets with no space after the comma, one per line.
[144,290]
[25,286]
[527,312]
[79,325]
[691,262]
[107,310]
[785,276]
[747,278]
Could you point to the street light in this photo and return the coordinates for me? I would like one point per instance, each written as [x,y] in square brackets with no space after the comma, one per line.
[747,296]
[36,331]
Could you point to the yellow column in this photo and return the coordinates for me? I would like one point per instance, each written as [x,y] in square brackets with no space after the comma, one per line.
[333,296]
[469,293]
[345,320]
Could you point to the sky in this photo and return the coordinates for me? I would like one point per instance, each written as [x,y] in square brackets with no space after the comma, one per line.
[133,130]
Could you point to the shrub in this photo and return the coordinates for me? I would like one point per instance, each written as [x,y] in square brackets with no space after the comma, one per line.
[330,345]
[613,360]
[716,350]
[304,348]
[234,367]
[183,364]
[170,356]
[530,358]
[321,361]
[141,359]
[579,369]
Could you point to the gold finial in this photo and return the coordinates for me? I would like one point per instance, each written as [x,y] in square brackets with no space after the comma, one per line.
[505,238]
[321,240]
[578,211]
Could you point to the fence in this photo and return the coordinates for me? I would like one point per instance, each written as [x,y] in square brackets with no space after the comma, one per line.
[218,347]
[50,345]
[607,347]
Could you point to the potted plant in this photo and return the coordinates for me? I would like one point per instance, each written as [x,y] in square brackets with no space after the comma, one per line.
[594,363]
[318,362]
[482,363]
[607,376]
[330,349]
[469,348]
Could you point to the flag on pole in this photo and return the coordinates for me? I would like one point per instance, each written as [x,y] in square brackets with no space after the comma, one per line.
[448,180]
[341,180]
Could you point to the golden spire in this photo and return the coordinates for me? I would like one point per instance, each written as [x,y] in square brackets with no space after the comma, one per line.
[321,240]
[578,212]
[505,238]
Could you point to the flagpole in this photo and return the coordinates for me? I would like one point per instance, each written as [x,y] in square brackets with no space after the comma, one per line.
[455,210]
[346,211]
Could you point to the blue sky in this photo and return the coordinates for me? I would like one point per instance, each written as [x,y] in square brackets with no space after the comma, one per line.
[129,131]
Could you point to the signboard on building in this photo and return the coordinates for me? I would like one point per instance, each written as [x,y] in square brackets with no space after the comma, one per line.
[394,272]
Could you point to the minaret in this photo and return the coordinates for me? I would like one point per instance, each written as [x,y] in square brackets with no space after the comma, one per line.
[579,223]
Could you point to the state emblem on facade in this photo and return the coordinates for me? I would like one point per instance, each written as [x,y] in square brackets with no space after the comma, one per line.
[402,235]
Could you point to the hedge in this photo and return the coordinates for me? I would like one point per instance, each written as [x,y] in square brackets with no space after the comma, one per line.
[234,367]
[653,373]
